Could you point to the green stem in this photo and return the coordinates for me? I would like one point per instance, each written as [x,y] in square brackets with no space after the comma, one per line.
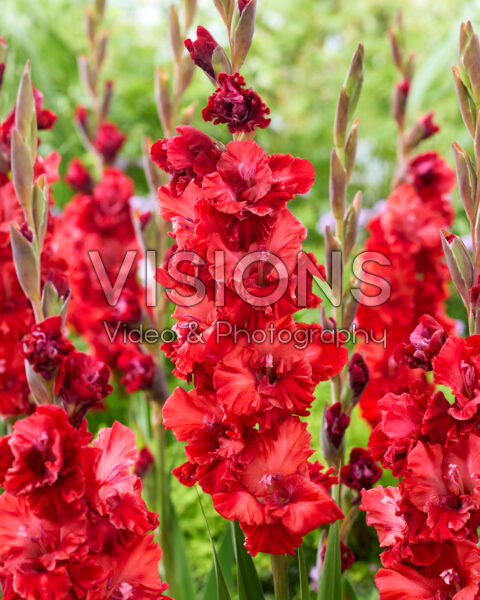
[162,502]
[280,576]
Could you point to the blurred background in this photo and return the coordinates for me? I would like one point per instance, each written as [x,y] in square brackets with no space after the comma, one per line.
[297,63]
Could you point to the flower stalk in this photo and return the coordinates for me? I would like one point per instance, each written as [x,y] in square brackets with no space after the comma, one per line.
[280,576]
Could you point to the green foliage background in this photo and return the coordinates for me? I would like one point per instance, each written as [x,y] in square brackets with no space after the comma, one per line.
[297,63]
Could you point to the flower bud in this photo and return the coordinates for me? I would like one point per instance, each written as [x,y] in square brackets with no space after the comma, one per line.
[163,100]
[25,105]
[188,113]
[201,52]
[459,263]
[220,61]
[189,8]
[86,75]
[354,79]
[22,172]
[351,148]
[341,119]
[350,305]
[422,130]
[465,102]
[3,58]
[40,210]
[338,186]
[358,376]
[102,47]
[400,96]
[351,224]
[187,69]
[334,424]
[243,34]
[175,34]
[144,463]
[53,303]
[396,47]
[26,263]
[225,9]
[466,179]
[470,59]
[332,244]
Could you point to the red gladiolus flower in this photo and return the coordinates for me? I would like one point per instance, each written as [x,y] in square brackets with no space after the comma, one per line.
[109,141]
[361,472]
[138,369]
[41,459]
[78,177]
[144,462]
[82,385]
[274,499]
[201,50]
[426,341]
[337,422]
[242,109]
[45,348]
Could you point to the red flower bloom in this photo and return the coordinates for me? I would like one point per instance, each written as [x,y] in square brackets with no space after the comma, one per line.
[242,109]
[274,500]
[41,459]
[138,369]
[361,472]
[109,141]
[426,341]
[192,154]
[45,348]
[78,177]
[201,50]
[82,384]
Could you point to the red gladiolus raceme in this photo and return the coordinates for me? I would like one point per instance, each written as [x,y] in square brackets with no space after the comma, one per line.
[72,520]
[429,524]
[406,231]
[245,443]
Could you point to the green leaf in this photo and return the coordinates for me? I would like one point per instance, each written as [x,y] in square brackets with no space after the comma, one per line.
[185,589]
[331,583]
[302,568]
[227,559]
[249,587]
[349,590]
[222,589]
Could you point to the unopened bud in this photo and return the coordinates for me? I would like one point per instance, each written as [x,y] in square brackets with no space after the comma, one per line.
[350,305]
[107,99]
[358,376]
[26,263]
[354,79]
[86,75]
[40,209]
[351,224]
[220,61]
[422,130]
[399,104]
[351,148]
[176,41]
[341,119]
[163,99]
[338,186]
[243,35]
[459,263]
[470,59]
[225,9]
[22,172]
[466,179]
[189,8]
[102,47]
[465,102]
[188,113]
[332,244]
[187,69]
[332,437]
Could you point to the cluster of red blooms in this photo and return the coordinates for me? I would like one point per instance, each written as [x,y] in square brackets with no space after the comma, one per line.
[98,218]
[16,315]
[246,445]
[73,522]
[406,231]
[429,524]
